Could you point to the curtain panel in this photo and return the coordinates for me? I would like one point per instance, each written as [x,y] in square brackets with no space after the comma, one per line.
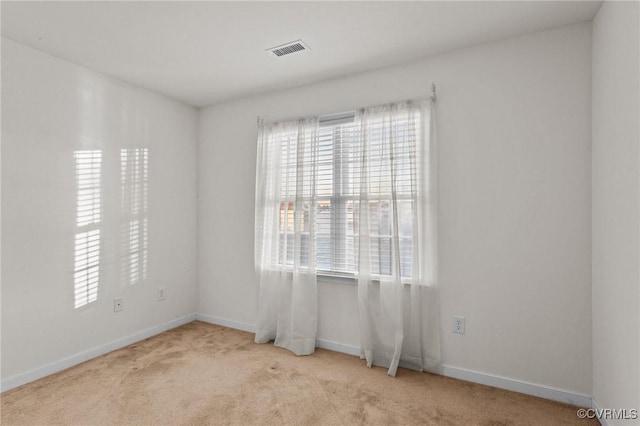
[398,308]
[285,232]
[358,200]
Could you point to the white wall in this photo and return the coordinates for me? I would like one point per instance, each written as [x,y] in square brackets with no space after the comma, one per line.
[50,108]
[616,206]
[515,210]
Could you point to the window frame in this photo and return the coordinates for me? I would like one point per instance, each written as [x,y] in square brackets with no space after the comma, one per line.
[340,201]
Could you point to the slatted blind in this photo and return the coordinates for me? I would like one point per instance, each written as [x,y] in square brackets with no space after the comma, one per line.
[297,162]
[377,155]
[88,216]
[337,199]
[390,145]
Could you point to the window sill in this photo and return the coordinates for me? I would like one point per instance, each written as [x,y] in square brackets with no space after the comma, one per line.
[349,279]
[346,279]
[336,279]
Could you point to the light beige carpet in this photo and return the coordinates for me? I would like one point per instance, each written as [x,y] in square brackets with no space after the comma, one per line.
[202,374]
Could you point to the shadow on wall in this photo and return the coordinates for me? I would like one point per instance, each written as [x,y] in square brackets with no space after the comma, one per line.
[134,222]
[99,220]
[134,183]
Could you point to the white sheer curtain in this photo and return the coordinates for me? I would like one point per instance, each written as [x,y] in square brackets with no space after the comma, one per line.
[397,297]
[285,234]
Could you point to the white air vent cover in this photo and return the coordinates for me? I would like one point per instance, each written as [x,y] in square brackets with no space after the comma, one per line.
[288,48]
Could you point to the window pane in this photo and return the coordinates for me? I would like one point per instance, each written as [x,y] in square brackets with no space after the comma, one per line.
[326,153]
[384,255]
[304,250]
[406,256]
[323,235]
[337,186]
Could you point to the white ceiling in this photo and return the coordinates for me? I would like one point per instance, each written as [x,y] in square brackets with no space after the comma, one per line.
[205,52]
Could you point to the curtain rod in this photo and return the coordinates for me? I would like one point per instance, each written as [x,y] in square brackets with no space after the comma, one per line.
[432,96]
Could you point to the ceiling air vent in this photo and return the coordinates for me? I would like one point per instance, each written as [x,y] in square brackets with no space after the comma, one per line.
[288,48]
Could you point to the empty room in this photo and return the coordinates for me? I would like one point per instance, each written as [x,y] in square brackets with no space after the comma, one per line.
[320,213]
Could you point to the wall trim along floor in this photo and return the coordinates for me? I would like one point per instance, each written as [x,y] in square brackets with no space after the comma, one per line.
[65,363]
[514,385]
[445,370]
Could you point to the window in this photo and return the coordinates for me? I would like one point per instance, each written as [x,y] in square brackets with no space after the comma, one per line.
[333,199]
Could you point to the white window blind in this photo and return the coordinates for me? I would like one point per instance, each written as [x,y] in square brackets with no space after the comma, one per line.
[350,158]
[297,187]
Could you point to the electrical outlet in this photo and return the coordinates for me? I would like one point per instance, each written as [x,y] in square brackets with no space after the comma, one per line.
[118,305]
[458,324]
[160,294]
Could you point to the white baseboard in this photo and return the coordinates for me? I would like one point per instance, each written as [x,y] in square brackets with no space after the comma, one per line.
[514,385]
[445,370]
[595,406]
[320,343]
[506,383]
[226,323]
[338,347]
[63,364]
